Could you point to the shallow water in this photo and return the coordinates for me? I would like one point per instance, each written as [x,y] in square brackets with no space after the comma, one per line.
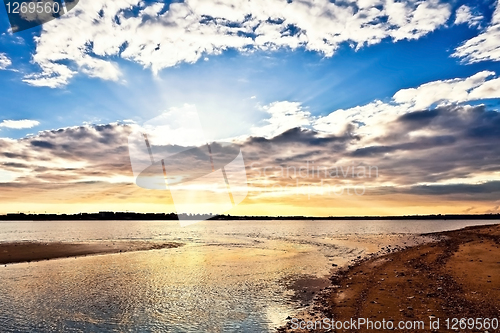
[230,275]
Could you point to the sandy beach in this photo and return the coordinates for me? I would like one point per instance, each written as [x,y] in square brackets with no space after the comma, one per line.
[16,252]
[457,276]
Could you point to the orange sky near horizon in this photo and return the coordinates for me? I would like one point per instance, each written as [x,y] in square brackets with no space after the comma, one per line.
[274,204]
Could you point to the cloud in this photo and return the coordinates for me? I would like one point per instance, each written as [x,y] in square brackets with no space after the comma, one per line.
[418,146]
[423,138]
[418,153]
[485,46]
[465,14]
[284,116]
[450,91]
[449,152]
[177,126]
[19,124]
[480,191]
[4,61]
[371,120]
[158,36]
[74,154]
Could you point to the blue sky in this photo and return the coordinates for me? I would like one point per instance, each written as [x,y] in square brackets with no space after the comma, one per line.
[222,86]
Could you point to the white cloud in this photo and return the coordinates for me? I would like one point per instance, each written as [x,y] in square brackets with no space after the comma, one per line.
[371,119]
[464,14]
[19,124]
[489,89]
[485,46]
[446,91]
[53,75]
[177,126]
[284,116]
[156,38]
[7,176]
[4,61]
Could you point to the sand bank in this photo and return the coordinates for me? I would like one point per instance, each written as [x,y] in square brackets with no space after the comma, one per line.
[458,276]
[35,251]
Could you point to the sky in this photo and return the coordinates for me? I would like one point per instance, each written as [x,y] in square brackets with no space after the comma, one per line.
[407,90]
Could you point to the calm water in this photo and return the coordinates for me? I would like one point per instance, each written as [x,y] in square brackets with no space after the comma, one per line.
[230,276]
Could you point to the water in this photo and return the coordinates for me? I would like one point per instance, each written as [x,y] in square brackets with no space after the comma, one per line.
[229,276]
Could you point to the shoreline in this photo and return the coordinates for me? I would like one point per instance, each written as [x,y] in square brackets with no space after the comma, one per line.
[455,276]
[28,251]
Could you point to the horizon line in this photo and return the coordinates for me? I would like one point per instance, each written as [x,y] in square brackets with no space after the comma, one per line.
[125,215]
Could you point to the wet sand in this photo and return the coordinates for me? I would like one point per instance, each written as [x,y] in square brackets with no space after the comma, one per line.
[456,276]
[34,251]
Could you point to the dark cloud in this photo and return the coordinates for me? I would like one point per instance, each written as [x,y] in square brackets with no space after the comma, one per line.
[421,143]
[458,143]
[11,165]
[297,146]
[490,188]
[454,142]
[300,136]
[12,155]
[42,144]
[422,117]
[487,191]
[69,155]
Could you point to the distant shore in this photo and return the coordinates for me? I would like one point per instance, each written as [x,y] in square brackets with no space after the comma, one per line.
[16,252]
[132,216]
[458,276]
